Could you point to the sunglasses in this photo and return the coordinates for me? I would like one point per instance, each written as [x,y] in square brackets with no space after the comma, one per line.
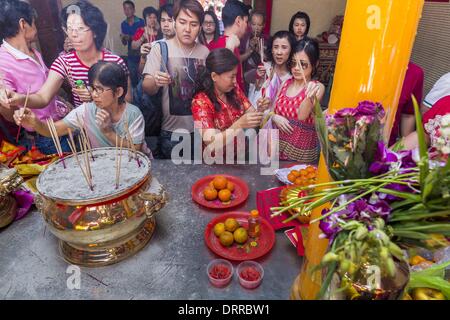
[303,64]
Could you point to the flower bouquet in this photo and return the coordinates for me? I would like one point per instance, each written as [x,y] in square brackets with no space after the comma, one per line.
[403,201]
[349,138]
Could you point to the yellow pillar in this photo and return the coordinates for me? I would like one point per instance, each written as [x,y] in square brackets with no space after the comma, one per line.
[374,52]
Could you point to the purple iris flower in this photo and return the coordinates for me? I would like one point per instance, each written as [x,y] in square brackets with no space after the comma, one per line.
[329,225]
[369,108]
[381,209]
[383,160]
[346,112]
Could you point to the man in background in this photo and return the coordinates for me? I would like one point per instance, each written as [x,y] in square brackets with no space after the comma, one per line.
[235,17]
[128,28]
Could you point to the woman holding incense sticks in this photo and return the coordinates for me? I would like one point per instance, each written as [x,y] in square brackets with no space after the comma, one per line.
[293,114]
[279,54]
[150,32]
[86,28]
[219,103]
[23,70]
[106,119]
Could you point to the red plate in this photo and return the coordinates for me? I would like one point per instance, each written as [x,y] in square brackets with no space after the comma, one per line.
[236,253]
[239,195]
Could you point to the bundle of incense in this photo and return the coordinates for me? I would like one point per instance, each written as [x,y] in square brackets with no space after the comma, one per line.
[130,142]
[85,136]
[55,137]
[24,109]
[73,147]
[118,160]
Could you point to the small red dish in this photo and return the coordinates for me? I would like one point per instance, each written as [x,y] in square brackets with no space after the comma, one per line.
[253,249]
[220,272]
[239,195]
[250,274]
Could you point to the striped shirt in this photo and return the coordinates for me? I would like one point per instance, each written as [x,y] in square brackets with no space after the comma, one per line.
[70,67]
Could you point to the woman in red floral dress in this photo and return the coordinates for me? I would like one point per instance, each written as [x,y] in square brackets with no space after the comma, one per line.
[293,114]
[219,104]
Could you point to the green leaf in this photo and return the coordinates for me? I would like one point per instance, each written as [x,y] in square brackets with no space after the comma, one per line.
[411,235]
[423,165]
[415,216]
[404,195]
[432,277]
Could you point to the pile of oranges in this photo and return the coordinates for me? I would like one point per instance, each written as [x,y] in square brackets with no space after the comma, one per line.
[303,177]
[219,188]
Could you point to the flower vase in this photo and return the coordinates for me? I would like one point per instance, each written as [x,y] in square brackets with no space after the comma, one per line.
[374,70]
[367,287]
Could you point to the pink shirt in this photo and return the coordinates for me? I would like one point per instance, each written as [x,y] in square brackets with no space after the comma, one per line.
[20,71]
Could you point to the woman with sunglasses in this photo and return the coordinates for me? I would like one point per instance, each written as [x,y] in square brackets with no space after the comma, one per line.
[108,116]
[210,29]
[293,114]
[86,29]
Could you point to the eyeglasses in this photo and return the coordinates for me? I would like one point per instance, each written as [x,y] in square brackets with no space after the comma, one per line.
[209,23]
[98,90]
[77,30]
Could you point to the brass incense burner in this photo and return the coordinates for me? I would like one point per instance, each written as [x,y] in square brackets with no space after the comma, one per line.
[10,180]
[106,230]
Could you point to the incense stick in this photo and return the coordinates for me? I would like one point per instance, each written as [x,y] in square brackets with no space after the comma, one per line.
[86,158]
[23,112]
[85,136]
[130,141]
[118,161]
[299,65]
[261,43]
[72,147]
[55,137]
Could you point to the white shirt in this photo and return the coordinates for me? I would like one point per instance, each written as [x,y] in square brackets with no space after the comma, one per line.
[440,89]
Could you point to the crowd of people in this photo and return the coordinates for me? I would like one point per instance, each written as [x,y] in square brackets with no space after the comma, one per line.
[181,73]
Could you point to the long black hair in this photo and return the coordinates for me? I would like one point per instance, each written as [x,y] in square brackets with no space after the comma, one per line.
[219,61]
[110,75]
[281,35]
[202,37]
[92,17]
[300,15]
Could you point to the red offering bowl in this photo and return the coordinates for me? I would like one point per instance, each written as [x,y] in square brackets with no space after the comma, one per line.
[238,196]
[252,249]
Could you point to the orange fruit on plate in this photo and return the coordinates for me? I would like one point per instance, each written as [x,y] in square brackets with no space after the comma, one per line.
[303,172]
[226,239]
[295,173]
[230,186]
[220,182]
[299,182]
[210,194]
[310,169]
[291,177]
[311,175]
[225,195]
[211,185]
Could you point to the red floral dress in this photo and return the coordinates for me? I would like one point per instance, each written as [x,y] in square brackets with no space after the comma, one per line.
[433,117]
[206,117]
[302,145]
